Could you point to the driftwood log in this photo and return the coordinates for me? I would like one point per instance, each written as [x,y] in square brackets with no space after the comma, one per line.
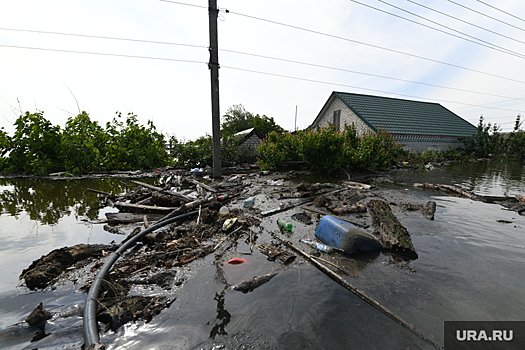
[126,218]
[427,210]
[182,197]
[393,235]
[450,190]
[137,208]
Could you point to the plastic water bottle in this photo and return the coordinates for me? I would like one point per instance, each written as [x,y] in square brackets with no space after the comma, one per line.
[222,197]
[284,225]
[223,211]
[319,246]
[249,202]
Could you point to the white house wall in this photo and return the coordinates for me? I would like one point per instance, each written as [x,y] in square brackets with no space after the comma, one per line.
[420,143]
[249,146]
[347,117]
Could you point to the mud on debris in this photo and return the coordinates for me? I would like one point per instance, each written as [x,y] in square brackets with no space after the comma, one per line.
[155,260]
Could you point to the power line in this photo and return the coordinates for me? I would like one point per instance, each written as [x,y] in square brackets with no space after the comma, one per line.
[102,37]
[493,47]
[359,87]
[358,42]
[375,46]
[494,7]
[247,70]
[483,14]
[367,74]
[186,4]
[472,24]
[256,55]
[102,54]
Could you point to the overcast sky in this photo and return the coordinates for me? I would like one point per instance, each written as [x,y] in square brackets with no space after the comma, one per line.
[411,59]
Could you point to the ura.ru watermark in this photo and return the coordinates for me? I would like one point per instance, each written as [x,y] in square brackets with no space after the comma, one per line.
[484,335]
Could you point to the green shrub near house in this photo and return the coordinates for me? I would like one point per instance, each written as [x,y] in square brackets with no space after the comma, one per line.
[327,150]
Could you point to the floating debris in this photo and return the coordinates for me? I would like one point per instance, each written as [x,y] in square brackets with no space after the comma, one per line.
[252,283]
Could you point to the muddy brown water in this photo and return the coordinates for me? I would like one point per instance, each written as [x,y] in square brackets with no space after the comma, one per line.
[469,268]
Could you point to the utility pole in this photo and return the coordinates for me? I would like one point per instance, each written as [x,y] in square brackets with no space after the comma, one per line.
[213,65]
[295,125]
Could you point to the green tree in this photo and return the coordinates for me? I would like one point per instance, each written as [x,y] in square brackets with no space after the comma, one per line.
[83,144]
[486,143]
[134,146]
[5,147]
[198,153]
[34,145]
[515,143]
[237,119]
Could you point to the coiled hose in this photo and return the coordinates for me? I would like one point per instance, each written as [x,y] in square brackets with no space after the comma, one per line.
[91,336]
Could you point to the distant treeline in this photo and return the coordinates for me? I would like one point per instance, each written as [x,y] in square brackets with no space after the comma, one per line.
[490,142]
[83,145]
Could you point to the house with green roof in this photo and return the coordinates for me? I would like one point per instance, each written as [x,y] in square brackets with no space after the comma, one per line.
[414,124]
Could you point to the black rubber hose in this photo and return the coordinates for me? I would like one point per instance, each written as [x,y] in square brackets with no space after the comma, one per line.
[91,336]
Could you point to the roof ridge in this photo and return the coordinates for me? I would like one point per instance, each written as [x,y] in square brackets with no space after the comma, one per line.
[385,97]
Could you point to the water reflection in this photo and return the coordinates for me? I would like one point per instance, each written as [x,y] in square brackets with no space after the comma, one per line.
[46,201]
[223,317]
[484,178]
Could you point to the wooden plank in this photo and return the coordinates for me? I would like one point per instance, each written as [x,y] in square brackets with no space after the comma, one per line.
[159,189]
[198,183]
[125,218]
[137,208]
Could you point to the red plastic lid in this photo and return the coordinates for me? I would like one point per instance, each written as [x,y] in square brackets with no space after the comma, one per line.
[236,261]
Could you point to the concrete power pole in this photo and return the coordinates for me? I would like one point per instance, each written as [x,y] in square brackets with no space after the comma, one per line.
[213,65]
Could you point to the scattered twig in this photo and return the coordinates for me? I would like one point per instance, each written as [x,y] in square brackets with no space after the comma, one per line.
[199,216]
[332,264]
[225,238]
[99,192]
[374,303]
[198,183]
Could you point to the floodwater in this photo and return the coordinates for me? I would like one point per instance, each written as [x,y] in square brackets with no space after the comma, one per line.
[469,268]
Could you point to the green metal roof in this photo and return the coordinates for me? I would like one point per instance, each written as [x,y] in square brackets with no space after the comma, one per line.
[399,116]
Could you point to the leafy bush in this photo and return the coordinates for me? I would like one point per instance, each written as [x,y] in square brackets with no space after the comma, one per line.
[38,147]
[199,153]
[327,150]
[34,147]
[134,146]
[277,148]
[83,145]
[488,142]
[515,143]
[376,151]
[5,147]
